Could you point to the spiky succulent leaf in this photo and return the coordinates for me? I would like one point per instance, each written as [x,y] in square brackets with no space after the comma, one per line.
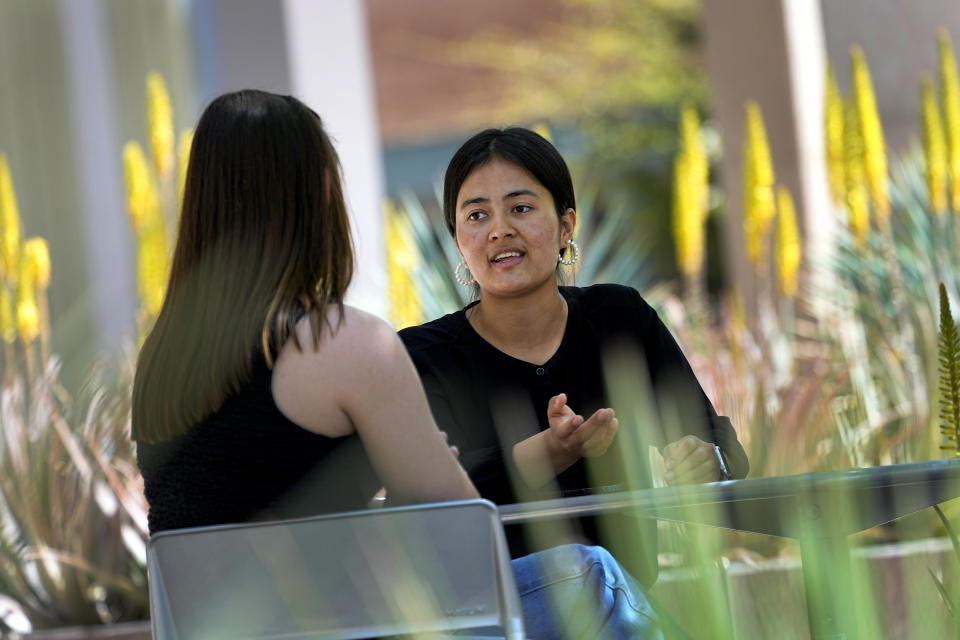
[949,354]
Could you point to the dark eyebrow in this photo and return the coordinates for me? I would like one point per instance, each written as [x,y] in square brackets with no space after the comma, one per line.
[467,203]
[512,194]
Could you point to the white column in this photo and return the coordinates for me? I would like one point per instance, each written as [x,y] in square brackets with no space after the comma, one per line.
[329,64]
[97,144]
[807,59]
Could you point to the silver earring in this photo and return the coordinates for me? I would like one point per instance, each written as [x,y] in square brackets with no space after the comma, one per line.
[456,274]
[576,253]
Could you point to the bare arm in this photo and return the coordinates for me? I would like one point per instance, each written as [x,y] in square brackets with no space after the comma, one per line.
[362,377]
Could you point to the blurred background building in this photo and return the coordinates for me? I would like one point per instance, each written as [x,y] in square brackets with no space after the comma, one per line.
[401,83]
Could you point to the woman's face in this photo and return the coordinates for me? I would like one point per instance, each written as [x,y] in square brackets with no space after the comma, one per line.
[508,230]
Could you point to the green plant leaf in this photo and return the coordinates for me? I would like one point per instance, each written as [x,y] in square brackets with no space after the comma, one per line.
[949,358]
[954,540]
[943,593]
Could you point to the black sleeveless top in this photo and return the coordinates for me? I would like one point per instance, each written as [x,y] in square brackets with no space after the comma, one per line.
[247,461]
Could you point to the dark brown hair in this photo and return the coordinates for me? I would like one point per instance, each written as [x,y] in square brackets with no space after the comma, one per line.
[263,240]
[525,148]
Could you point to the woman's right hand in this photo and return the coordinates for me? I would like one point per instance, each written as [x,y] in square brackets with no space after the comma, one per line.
[583,438]
[569,437]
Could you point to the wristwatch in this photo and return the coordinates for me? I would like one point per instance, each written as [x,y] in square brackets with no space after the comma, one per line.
[724,471]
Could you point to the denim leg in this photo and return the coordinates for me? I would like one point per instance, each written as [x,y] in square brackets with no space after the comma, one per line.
[575,592]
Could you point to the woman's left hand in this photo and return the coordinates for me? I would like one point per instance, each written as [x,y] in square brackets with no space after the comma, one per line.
[690,460]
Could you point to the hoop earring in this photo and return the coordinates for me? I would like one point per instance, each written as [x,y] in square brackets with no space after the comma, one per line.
[576,253]
[456,274]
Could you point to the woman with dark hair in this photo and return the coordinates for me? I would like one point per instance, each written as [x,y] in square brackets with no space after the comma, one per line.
[516,378]
[260,395]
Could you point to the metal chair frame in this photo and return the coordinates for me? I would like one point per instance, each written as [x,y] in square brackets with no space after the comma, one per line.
[383,572]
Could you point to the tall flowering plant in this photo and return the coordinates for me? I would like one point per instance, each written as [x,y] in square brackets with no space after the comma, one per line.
[758,185]
[690,204]
[154,189]
[73,525]
[72,517]
[24,278]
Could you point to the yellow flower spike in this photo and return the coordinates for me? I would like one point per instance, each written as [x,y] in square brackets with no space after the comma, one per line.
[403,260]
[691,144]
[874,151]
[758,206]
[788,250]
[27,280]
[9,225]
[543,131]
[153,268]
[36,257]
[853,171]
[690,175]
[833,128]
[950,103]
[688,250]
[142,197]
[738,313]
[160,125]
[28,317]
[147,220]
[28,321]
[934,148]
[8,328]
[183,159]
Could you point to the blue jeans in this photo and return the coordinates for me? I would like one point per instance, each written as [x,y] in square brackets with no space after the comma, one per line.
[574,591]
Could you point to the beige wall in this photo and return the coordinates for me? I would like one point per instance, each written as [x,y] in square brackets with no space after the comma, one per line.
[746,58]
[748,55]
[899,38]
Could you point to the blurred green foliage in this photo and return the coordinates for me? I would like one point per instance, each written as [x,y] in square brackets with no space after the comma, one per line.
[73,519]
[616,73]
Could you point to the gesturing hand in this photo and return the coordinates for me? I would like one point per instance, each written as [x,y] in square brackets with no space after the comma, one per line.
[586,438]
[690,460]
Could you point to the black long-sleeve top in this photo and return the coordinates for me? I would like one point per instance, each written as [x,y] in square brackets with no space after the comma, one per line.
[487,401]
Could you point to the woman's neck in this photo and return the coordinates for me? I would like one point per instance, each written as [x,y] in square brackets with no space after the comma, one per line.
[528,327]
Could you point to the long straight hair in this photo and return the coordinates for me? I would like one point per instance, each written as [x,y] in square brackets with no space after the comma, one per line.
[263,240]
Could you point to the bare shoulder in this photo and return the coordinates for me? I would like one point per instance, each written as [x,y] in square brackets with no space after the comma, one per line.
[361,341]
[352,343]
[359,379]
[313,383]
[346,329]
[358,329]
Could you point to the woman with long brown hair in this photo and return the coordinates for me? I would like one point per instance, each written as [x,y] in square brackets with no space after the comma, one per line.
[259,394]
[255,359]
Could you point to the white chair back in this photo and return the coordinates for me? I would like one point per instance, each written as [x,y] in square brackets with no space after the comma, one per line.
[424,568]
